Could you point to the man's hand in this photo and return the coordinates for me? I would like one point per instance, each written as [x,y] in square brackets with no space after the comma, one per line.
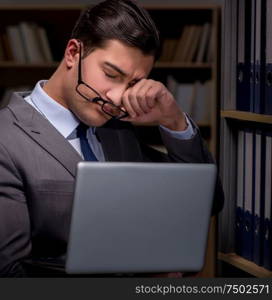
[150,101]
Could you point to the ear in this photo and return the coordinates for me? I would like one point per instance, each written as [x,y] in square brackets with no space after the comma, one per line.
[71,54]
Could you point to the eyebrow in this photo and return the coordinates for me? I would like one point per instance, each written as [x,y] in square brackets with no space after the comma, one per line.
[117,69]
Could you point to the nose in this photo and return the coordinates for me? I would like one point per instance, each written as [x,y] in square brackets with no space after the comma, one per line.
[115,95]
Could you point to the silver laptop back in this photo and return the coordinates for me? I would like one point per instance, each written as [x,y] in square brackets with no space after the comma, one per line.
[140,217]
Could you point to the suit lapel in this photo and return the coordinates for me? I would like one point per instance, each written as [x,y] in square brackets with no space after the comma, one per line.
[43,133]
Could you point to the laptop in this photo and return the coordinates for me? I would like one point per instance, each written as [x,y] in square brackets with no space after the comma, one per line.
[140,217]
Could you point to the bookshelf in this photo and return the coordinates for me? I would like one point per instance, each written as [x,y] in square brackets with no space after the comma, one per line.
[201,66]
[233,124]
[173,21]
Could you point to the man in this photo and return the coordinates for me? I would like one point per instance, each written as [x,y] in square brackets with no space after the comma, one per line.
[83,112]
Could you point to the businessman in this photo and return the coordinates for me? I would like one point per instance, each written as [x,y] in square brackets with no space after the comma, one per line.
[84,111]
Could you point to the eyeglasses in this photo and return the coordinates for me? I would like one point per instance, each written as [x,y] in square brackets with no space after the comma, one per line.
[86,91]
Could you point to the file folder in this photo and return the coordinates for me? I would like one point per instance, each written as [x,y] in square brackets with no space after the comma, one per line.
[258,205]
[268,60]
[252,55]
[267,239]
[243,56]
[247,243]
[239,218]
[257,106]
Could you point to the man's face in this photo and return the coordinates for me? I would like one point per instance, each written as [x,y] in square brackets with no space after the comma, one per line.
[110,71]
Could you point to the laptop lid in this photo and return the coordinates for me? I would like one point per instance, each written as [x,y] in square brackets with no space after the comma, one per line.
[140,217]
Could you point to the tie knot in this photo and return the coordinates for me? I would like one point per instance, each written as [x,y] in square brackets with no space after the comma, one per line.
[81,130]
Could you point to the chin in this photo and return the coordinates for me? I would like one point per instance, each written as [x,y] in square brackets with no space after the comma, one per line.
[97,119]
[98,123]
[93,117]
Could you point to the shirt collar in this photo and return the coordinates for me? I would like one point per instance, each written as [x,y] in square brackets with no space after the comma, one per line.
[60,117]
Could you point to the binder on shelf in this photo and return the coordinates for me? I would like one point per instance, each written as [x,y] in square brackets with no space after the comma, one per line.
[257,61]
[239,213]
[258,203]
[268,60]
[243,57]
[267,235]
[247,239]
[252,55]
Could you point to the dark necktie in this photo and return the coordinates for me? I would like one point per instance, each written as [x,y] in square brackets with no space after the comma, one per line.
[84,144]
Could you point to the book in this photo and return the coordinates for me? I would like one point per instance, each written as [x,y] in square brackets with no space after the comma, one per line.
[2,50]
[7,47]
[204,42]
[31,44]
[43,43]
[16,44]
[195,44]
[201,112]
[180,44]
[189,43]
[183,94]
[168,50]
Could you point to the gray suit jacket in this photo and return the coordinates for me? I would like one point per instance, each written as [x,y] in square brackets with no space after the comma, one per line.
[37,173]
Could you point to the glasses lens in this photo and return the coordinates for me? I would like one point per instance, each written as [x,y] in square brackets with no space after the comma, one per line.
[85,91]
[112,109]
[108,107]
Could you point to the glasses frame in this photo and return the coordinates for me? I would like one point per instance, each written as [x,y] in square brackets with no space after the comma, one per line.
[98,99]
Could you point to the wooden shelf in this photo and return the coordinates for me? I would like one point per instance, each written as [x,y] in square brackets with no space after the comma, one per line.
[246,116]
[185,65]
[245,265]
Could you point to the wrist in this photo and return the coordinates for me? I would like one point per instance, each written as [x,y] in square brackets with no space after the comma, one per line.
[176,124]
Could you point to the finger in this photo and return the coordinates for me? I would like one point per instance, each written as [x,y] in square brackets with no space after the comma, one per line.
[127,105]
[142,97]
[140,91]
[134,101]
[151,97]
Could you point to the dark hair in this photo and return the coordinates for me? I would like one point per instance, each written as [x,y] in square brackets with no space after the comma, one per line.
[121,20]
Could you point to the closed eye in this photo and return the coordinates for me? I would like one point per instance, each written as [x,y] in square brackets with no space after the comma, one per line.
[111,75]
